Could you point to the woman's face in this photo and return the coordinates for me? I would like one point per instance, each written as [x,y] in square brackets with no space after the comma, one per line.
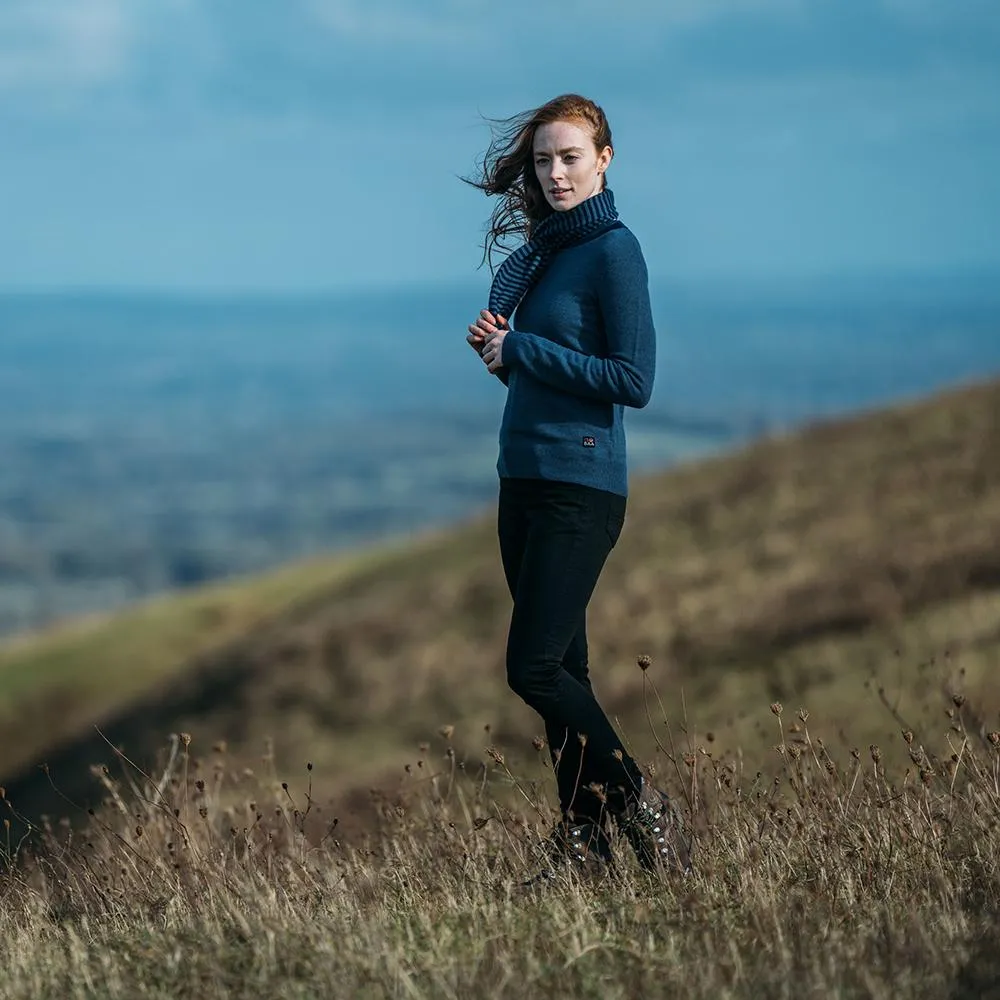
[567,165]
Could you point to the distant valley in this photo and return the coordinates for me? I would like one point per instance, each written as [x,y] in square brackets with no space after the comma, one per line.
[156,443]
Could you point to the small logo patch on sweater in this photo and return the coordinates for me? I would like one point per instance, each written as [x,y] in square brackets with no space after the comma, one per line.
[589,442]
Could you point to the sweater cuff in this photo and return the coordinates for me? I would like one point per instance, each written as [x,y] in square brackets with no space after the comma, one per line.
[511,345]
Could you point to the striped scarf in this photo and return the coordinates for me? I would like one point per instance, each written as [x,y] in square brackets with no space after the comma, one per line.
[555,232]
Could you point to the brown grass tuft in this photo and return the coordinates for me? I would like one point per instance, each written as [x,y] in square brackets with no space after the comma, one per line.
[861,882]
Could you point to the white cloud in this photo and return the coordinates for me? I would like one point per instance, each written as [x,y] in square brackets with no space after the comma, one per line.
[62,42]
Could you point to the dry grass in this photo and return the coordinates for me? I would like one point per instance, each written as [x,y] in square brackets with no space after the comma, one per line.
[830,875]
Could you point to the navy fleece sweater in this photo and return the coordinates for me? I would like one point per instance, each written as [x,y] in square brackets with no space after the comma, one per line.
[581,348]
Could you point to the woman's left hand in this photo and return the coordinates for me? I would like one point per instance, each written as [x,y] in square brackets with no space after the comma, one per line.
[493,351]
[490,327]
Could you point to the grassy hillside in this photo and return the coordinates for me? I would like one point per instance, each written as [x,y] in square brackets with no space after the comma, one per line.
[812,570]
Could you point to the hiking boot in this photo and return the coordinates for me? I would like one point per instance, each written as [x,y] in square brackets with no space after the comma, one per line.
[581,846]
[653,826]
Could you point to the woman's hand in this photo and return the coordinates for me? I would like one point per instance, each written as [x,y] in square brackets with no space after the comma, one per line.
[493,351]
[486,338]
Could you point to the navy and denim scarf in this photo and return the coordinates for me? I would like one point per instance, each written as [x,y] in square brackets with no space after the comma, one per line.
[554,233]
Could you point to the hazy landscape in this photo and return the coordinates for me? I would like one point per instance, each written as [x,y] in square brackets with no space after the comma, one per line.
[285,760]
[153,443]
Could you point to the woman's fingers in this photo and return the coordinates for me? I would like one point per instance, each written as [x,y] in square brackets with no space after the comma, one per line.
[482,334]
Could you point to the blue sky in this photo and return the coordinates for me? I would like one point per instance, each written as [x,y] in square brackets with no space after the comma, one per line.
[315,144]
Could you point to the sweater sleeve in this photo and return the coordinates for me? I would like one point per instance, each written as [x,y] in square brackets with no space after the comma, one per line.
[626,374]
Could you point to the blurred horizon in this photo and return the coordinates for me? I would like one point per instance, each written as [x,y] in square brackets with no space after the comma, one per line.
[982,283]
[160,442]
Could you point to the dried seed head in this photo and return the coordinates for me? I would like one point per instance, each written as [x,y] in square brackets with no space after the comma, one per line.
[856,753]
[495,754]
[538,743]
[598,791]
[830,766]
[794,752]
[617,754]
[582,737]
[644,661]
[689,759]
[875,752]
[220,746]
[958,700]
[447,731]
[185,739]
[776,707]
[908,735]
[926,774]
[803,715]
[994,739]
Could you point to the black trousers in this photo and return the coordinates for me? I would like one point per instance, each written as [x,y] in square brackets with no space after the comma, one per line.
[554,540]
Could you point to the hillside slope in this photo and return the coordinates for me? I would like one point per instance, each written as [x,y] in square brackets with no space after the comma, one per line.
[796,570]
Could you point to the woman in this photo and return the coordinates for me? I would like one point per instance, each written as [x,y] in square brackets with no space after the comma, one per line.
[581,348]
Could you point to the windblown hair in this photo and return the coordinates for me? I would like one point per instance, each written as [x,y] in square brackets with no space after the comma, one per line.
[508,167]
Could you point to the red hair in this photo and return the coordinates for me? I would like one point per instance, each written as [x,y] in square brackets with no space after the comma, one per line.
[509,170]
